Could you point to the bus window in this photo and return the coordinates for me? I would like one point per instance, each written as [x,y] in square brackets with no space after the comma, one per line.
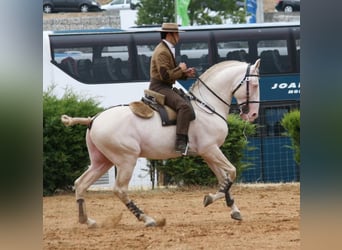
[233,50]
[113,65]
[76,62]
[144,60]
[194,54]
[298,55]
[274,57]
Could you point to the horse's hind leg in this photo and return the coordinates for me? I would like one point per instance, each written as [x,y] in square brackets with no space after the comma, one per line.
[81,185]
[124,174]
[99,165]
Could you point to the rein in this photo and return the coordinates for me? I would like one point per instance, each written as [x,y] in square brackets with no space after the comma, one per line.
[244,105]
[213,92]
[193,97]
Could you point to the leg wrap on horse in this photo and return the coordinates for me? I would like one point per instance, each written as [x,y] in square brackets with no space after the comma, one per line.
[82,215]
[134,209]
[225,189]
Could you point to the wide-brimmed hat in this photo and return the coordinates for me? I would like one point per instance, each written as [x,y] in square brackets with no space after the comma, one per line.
[170,27]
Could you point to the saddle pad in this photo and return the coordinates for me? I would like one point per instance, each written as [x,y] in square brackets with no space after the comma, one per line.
[141,109]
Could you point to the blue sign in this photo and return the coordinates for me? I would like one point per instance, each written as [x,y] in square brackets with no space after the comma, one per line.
[275,88]
[251,10]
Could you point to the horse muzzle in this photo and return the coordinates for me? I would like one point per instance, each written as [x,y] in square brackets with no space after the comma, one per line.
[249,117]
[249,112]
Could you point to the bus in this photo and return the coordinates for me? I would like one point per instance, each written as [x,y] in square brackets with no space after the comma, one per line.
[112,66]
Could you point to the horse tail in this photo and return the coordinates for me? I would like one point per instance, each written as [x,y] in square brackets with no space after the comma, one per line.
[70,121]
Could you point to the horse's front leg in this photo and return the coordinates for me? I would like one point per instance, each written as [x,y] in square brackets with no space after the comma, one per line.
[225,173]
[223,192]
[120,190]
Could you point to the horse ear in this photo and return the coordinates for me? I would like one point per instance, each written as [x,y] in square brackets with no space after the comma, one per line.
[257,64]
[256,69]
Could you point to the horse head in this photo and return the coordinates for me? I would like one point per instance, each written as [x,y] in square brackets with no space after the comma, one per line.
[247,93]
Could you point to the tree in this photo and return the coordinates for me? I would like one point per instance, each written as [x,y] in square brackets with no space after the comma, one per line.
[215,12]
[199,11]
[156,12]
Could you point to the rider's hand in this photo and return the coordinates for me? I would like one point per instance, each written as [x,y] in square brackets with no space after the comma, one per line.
[183,66]
[190,72]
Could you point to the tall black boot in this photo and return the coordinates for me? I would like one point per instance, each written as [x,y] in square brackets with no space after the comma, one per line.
[181,143]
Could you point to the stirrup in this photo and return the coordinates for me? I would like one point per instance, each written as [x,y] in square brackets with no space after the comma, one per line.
[186,149]
[184,152]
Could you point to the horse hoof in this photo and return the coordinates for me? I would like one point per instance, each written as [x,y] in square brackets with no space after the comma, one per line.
[207,200]
[91,223]
[236,215]
[150,224]
[161,222]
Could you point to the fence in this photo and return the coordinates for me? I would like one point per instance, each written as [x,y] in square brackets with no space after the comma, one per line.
[273,157]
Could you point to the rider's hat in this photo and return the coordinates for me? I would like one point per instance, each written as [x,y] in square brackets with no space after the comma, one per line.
[170,27]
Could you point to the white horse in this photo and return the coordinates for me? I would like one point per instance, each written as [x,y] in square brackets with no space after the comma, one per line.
[118,137]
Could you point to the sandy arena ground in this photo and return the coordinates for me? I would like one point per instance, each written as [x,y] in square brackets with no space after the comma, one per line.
[271,218]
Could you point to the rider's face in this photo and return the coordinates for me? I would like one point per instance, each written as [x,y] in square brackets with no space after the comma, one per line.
[174,37]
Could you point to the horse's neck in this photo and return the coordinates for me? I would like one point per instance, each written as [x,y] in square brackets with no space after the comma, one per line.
[220,84]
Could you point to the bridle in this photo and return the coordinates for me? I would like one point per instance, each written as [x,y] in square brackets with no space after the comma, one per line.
[244,106]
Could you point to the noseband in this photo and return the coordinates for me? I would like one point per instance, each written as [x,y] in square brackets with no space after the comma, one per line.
[244,106]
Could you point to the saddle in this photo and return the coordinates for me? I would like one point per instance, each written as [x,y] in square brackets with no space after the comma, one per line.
[154,101]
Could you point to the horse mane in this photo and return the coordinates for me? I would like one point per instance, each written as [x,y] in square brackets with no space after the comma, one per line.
[215,68]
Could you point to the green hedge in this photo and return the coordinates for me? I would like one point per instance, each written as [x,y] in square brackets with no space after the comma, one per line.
[291,123]
[65,153]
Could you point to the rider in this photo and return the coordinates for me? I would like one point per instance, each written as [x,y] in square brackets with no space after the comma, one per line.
[163,73]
